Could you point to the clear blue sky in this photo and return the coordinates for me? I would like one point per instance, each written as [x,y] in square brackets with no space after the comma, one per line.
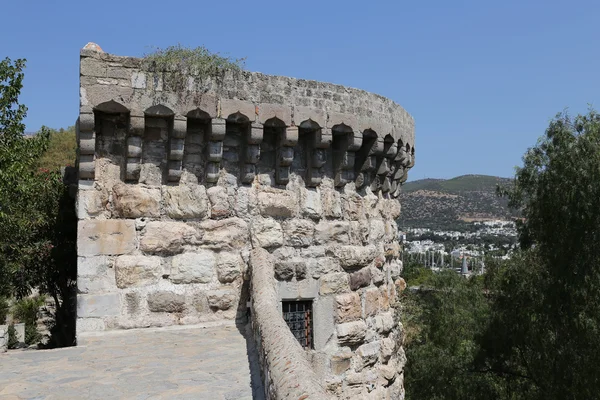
[481,78]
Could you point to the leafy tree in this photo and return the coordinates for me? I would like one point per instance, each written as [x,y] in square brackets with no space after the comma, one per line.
[37,221]
[546,319]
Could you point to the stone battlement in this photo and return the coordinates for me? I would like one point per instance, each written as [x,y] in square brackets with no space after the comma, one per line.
[178,185]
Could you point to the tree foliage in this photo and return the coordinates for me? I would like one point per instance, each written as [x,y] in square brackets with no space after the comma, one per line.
[37,220]
[61,151]
[529,328]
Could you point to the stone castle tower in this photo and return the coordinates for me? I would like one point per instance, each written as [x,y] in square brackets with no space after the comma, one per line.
[247,197]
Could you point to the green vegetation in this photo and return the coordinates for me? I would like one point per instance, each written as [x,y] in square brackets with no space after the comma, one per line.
[12,341]
[26,310]
[37,216]
[4,309]
[61,151]
[181,62]
[451,204]
[530,327]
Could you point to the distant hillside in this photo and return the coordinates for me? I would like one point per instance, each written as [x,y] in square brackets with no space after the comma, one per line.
[450,203]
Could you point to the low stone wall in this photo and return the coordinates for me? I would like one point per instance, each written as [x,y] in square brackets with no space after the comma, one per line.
[286,372]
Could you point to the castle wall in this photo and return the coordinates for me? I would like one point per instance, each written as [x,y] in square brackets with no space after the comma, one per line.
[177,187]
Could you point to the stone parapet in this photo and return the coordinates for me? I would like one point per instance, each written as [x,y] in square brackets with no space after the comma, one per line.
[286,372]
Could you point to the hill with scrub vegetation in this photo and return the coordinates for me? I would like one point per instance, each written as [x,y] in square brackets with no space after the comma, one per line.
[450,204]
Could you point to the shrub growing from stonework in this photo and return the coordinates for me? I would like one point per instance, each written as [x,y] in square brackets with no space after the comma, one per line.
[27,311]
[37,215]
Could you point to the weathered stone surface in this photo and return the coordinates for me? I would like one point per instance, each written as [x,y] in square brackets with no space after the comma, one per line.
[132,302]
[359,378]
[353,256]
[331,203]
[221,299]
[103,282]
[301,270]
[105,237]
[400,285]
[137,271]
[229,266]
[322,265]
[384,322]
[336,282]
[90,325]
[132,201]
[101,305]
[91,203]
[164,301]
[298,232]
[167,237]
[284,270]
[351,333]
[376,231]
[384,298]
[93,266]
[367,355]
[219,200]
[277,203]
[332,232]
[352,205]
[198,267]
[360,278]
[310,203]
[225,233]
[371,302]
[377,276]
[340,362]
[266,232]
[186,202]
[347,307]
[388,346]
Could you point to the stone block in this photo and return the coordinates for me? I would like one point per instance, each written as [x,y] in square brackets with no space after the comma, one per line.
[359,232]
[322,265]
[198,267]
[352,205]
[137,271]
[335,282]
[138,80]
[368,354]
[361,378]
[101,283]
[310,203]
[301,270]
[232,106]
[277,203]
[267,111]
[164,301]
[352,257]
[384,298]
[388,346]
[327,232]
[91,203]
[351,333]
[229,266]
[347,307]
[340,362]
[298,232]
[90,325]
[100,305]
[133,201]
[285,270]
[400,285]
[266,233]
[93,266]
[384,323]
[167,237]
[219,200]
[377,276]
[225,233]
[186,202]
[221,299]
[132,302]
[371,302]
[105,237]
[376,231]
[360,279]
[331,203]
[303,289]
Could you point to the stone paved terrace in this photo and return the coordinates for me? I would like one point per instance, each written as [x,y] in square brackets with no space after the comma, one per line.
[208,362]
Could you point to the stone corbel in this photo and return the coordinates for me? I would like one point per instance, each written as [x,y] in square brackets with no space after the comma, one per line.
[351,142]
[134,148]
[251,152]
[214,149]
[87,146]
[176,150]
[285,154]
[322,139]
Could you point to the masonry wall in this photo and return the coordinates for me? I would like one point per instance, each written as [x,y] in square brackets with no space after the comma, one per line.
[177,187]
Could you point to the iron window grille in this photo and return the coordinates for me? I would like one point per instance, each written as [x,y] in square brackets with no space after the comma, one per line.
[299,317]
